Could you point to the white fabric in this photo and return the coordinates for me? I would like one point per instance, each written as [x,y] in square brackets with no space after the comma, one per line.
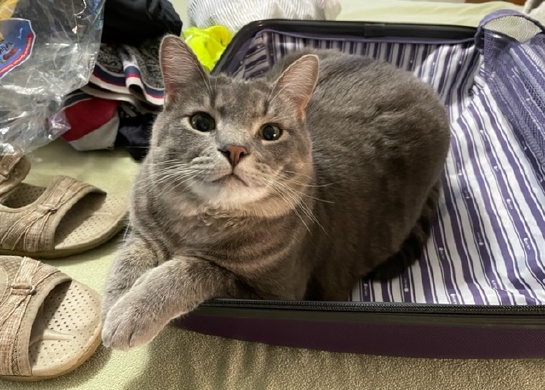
[234,14]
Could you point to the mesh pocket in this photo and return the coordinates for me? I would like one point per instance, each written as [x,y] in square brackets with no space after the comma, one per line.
[514,26]
[514,66]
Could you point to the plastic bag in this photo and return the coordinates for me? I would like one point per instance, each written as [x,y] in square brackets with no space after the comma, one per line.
[234,14]
[47,50]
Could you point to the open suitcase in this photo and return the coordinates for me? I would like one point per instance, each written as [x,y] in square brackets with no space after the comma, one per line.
[479,289]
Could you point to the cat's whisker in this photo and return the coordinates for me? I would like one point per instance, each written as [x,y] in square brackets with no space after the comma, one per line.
[301,184]
[162,177]
[177,176]
[180,168]
[299,173]
[300,202]
[270,94]
[174,185]
[303,175]
[311,178]
[286,182]
[295,205]
[169,163]
[173,167]
[168,187]
[302,194]
[167,175]
[180,180]
[297,200]
[174,174]
[157,181]
[290,204]
[127,230]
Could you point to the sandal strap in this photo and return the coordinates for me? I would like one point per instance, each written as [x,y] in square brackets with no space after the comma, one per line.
[32,229]
[13,169]
[27,289]
[7,163]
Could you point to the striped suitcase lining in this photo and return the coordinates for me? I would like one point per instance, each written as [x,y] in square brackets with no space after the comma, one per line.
[488,244]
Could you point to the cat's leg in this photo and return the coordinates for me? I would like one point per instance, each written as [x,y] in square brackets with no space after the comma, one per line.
[170,290]
[134,258]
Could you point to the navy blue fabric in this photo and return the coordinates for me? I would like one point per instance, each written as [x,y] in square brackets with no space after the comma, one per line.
[132,21]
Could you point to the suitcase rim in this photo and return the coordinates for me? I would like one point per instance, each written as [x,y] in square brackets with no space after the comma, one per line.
[373,31]
[443,330]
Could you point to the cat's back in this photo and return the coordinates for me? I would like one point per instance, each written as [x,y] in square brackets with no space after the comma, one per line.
[363,103]
[366,112]
[362,97]
[380,137]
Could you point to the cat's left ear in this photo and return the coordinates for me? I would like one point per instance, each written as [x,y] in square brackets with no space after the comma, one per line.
[297,82]
[179,66]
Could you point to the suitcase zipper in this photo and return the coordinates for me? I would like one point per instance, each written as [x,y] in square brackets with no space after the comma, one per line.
[383,307]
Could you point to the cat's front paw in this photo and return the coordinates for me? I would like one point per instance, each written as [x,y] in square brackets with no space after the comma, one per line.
[117,288]
[109,299]
[130,324]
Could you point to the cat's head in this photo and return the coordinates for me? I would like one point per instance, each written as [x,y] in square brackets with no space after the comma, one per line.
[230,141]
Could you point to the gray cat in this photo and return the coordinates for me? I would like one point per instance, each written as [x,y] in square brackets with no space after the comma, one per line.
[293,186]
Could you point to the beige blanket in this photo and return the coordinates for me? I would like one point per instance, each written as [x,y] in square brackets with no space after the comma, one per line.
[180,359]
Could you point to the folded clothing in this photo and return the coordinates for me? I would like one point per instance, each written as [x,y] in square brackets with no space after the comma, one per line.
[129,74]
[126,78]
[93,123]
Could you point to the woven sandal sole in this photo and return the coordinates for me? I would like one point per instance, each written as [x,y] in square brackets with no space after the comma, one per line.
[91,222]
[69,311]
[88,353]
[60,253]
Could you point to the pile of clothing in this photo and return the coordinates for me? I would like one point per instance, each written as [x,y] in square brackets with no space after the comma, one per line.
[125,91]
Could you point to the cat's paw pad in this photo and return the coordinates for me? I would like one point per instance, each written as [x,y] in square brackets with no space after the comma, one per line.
[127,326]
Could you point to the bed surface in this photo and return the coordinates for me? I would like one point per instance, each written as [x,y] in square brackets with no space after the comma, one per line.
[180,359]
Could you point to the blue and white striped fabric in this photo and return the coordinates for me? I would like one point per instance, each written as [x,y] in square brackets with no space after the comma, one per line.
[488,243]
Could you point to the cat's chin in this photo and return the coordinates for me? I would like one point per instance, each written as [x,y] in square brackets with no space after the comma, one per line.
[228,192]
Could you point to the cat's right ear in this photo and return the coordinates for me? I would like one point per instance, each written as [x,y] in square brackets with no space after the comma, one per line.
[297,82]
[179,66]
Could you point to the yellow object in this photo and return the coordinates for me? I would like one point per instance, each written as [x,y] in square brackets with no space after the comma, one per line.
[207,44]
[6,8]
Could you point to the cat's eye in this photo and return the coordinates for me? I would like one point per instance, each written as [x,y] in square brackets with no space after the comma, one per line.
[270,132]
[201,121]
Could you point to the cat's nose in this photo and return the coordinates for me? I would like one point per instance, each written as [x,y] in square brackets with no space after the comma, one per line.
[234,153]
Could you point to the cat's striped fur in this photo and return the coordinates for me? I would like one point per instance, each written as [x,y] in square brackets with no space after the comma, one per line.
[351,181]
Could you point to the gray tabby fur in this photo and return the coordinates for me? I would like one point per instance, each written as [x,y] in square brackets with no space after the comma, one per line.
[319,209]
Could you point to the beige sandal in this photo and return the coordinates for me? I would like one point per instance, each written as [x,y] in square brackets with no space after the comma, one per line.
[66,218]
[49,324]
[13,169]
